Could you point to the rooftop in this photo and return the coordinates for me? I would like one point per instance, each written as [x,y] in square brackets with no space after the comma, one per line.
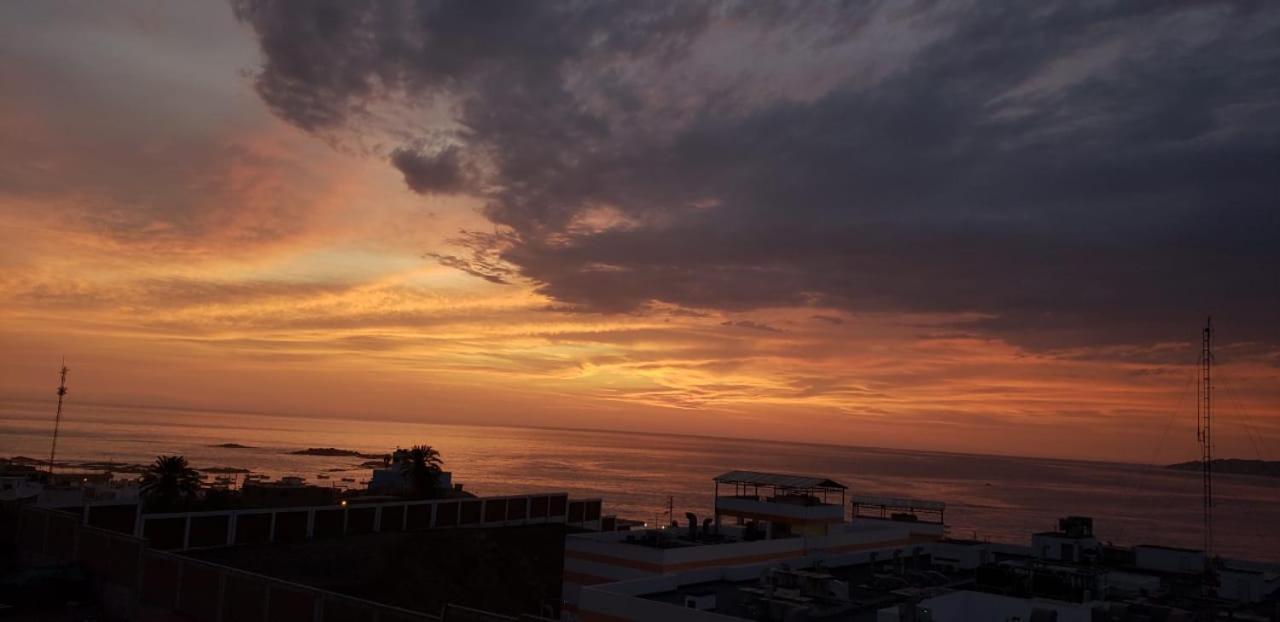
[779,480]
[899,502]
[836,593]
[1167,548]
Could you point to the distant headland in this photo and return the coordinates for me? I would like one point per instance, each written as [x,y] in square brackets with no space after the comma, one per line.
[1234,466]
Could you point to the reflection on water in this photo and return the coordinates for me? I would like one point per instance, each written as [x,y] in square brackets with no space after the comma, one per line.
[1000,498]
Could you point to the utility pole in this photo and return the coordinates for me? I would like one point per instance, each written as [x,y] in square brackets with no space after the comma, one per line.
[57,419]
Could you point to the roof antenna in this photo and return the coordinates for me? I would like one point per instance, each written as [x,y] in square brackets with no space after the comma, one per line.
[1204,434]
[57,420]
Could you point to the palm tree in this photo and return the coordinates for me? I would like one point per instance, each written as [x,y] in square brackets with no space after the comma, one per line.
[421,466]
[169,482]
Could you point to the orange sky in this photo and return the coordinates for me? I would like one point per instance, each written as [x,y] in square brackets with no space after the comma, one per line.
[182,246]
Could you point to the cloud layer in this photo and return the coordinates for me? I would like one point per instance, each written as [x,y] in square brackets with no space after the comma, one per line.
[860,223]
[1074,174]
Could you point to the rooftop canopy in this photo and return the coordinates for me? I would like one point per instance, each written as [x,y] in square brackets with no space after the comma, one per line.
[779,480]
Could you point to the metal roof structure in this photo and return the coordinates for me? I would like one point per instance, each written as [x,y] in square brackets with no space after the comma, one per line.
[779,480]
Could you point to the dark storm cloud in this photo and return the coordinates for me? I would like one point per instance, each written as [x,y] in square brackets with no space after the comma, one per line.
[484,261]
[1076,174]
[429,173]
[474,268]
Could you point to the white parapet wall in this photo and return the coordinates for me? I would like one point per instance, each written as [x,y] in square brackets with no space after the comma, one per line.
[185,530]
[826,512]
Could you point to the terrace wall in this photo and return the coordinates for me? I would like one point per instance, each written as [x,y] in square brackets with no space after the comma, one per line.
[133,581]
[138,583]
[181,531]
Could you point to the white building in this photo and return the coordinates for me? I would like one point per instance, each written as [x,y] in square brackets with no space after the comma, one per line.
[1073,542]
[966,606]
[394,479]
[767,518]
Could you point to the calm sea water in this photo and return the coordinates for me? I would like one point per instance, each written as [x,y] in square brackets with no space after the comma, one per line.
[1001,498]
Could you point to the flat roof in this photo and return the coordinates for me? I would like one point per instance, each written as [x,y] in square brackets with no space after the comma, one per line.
[1167,548]
[778,480]
[734,596]
[1063,534]
[899,502]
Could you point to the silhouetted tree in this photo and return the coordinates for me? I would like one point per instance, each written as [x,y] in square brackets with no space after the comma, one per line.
[421,466]
[169,483]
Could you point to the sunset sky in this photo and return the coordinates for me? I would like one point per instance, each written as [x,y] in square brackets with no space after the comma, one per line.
[979,226]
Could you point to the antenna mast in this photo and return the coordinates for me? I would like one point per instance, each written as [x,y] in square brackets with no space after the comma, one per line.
[57,419]
[1204,434]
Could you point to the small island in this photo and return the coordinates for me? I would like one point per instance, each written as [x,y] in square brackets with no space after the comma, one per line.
[232,446]
[1234,466]
[334,452]
[225,470]
[111,467]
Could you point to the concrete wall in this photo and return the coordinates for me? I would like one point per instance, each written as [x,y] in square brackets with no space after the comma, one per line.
[138,583]
[1164,559]
[1246,586]
[751,507]
[192,530]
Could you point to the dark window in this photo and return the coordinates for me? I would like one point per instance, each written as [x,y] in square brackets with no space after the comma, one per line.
[208,531]
[495,510]
[360,520]
[253,528]
[538,507]
[516,508]
[392,518]
[419,516]
[328,524]
[164,533]
[447,514]
[291,526]
[558,504]
[469,513]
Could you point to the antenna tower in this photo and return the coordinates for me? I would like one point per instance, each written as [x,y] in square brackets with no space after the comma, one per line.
[57,419]
[1204,433]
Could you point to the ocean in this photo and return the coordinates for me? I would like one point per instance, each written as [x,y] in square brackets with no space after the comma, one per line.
[994,497]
